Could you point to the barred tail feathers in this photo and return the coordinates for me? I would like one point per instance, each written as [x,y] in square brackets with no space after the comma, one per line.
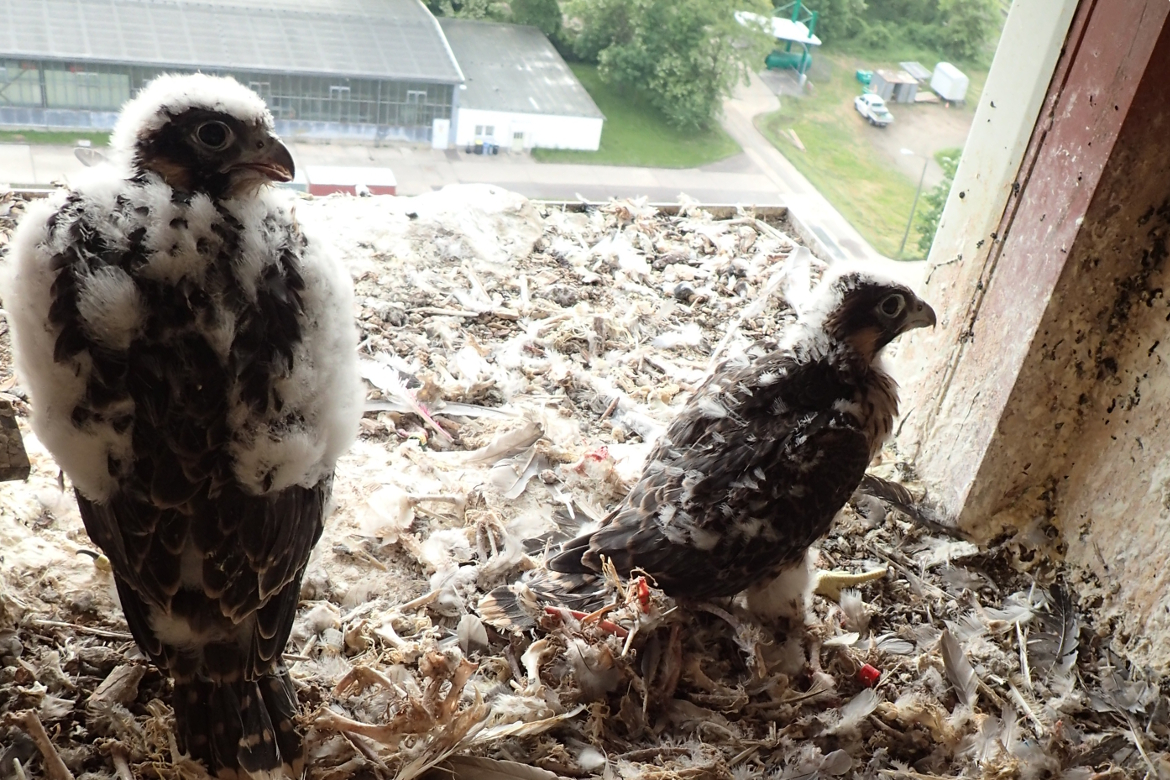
[517,607]
[504,610]
[243,730]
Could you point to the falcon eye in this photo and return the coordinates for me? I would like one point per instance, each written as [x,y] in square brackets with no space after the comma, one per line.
[214,135]
[892,305]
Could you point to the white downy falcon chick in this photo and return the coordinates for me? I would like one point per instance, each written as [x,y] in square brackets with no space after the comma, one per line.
[753,469]
[190,354]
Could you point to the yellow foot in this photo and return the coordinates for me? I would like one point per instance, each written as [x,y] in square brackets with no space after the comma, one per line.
[830,583]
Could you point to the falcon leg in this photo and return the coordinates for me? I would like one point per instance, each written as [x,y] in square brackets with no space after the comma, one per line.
[789,596]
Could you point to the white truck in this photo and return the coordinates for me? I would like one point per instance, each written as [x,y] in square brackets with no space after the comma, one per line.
[873,109]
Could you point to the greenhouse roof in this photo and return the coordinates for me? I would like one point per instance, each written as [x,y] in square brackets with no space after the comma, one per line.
[381,39]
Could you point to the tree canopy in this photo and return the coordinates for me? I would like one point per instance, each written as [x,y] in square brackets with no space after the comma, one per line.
[958,29]
[936,200]
[682,56]
[470,9]
[544,15]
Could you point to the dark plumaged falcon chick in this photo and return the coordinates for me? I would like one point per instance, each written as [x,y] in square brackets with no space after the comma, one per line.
[190,356]
[753,469]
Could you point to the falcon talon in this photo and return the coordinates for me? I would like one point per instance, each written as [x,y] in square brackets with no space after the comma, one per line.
[100,562]
[829,584]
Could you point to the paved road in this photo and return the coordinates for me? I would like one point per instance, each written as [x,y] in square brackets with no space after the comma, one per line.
[759,176]
[840,238]
[420,170]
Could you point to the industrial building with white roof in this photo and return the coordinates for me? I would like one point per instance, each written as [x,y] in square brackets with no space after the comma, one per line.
[519,92]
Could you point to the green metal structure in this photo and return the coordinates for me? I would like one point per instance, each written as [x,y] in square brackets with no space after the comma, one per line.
[799,59]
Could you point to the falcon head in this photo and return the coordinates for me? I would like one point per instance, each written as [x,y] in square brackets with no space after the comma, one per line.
[202,133]
[867,310]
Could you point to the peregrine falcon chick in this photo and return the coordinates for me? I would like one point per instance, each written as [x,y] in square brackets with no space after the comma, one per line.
[190,355]
[753,469]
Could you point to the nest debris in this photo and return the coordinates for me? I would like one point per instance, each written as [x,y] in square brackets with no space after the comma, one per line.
[521,359]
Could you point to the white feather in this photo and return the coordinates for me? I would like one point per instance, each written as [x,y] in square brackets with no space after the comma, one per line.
[110,307]
[853,606]
[984,744]
[888,643]
[856,710]
[836,763]
[390,513]
[1018,609]
[593,668]
[968,627]
[959,670]
[591,759]
[1009,735]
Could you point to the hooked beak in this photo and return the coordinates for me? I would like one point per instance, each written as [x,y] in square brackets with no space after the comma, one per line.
[273,161]
[920,317]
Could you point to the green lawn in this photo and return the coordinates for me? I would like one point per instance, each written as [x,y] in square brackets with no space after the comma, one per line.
[56,137]
[636,134]
[839,159]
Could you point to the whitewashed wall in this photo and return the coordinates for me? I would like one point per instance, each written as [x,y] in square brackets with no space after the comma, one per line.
[540,130]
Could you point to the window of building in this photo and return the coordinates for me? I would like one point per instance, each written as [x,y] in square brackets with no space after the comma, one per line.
[401,109]
[20,85]
[93,87]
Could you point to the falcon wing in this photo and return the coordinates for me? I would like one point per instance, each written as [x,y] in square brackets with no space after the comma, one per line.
[249,551]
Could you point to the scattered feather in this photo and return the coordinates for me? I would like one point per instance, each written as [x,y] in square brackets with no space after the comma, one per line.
[390,514]
[504,445]
[959,670]
[689,335]
[853,607]
[1053,645]
[939,551]
[854,712]
[387,379]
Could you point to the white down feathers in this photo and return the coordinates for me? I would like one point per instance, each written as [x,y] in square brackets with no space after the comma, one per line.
[323,391]
[26,281]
